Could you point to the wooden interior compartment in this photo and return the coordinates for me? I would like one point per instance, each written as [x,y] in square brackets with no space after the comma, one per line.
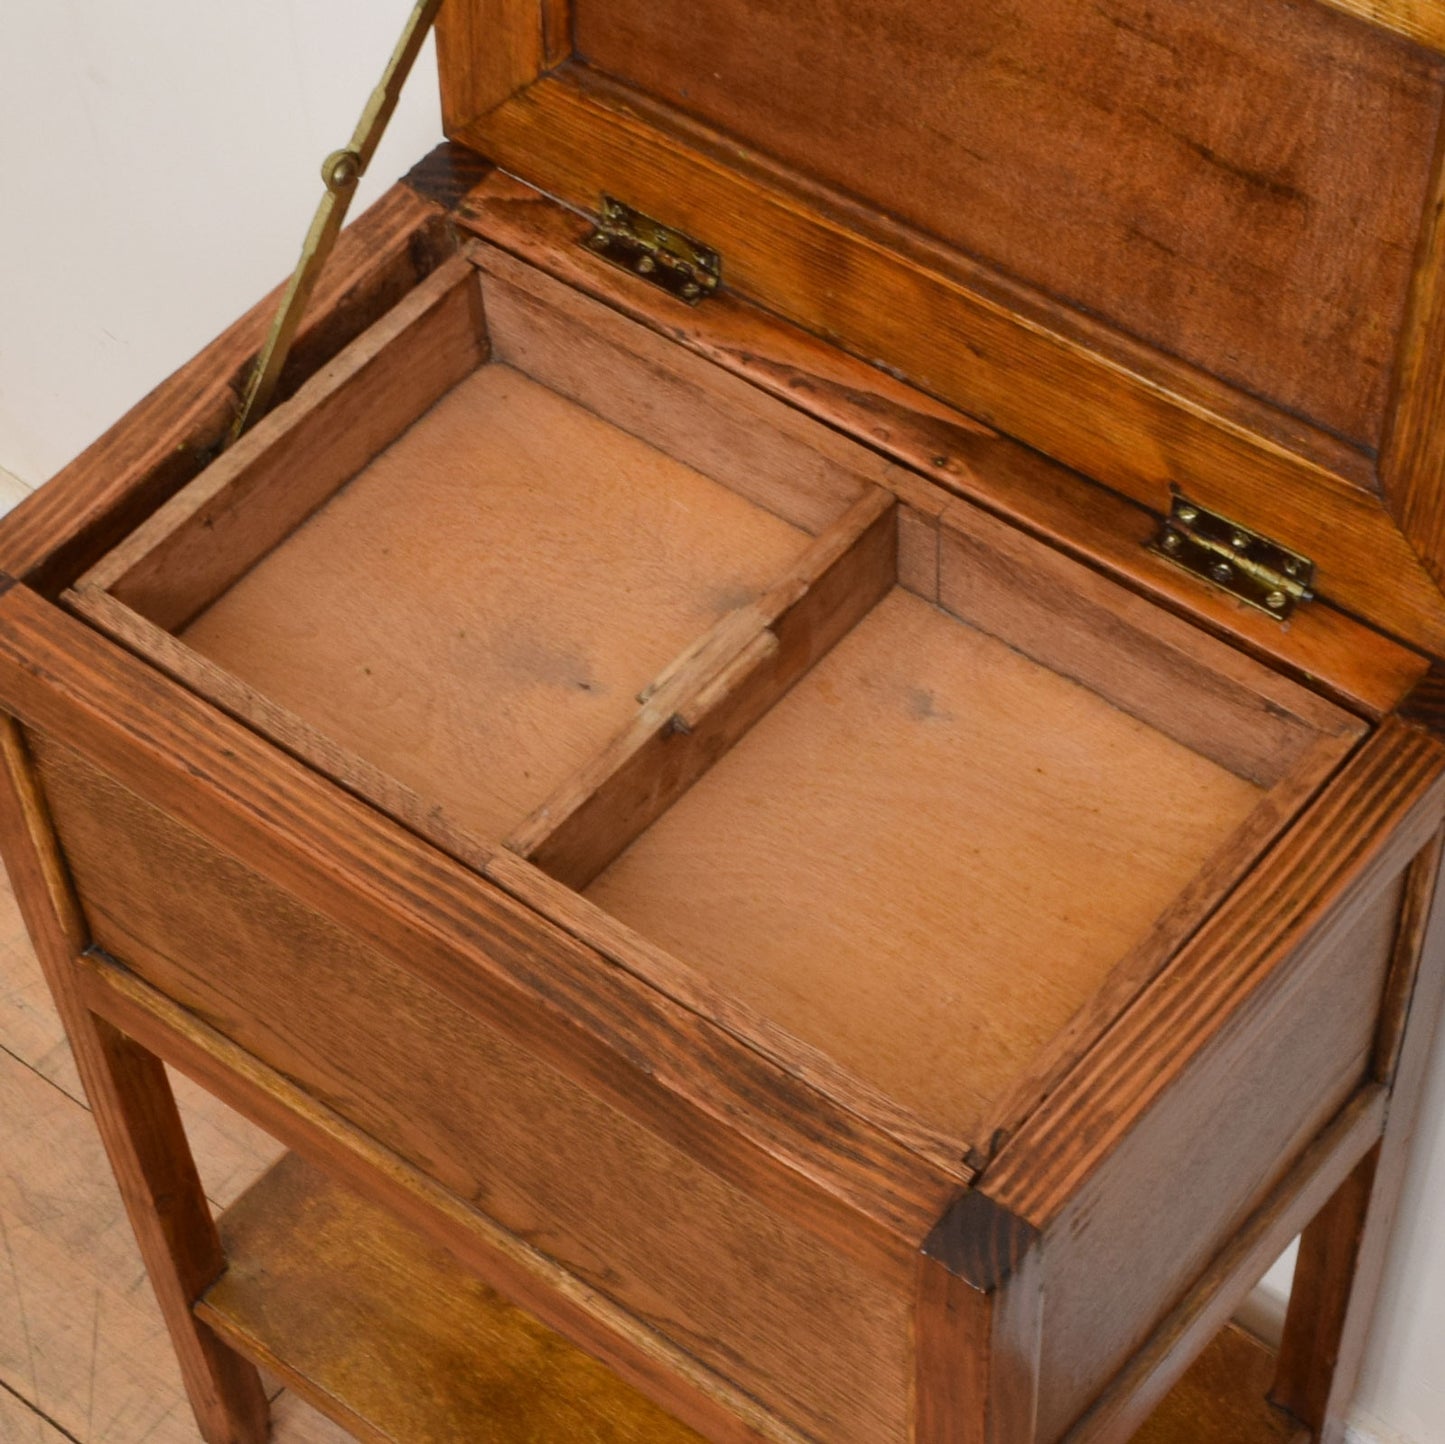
[910,799]
[445,578]
[957,847]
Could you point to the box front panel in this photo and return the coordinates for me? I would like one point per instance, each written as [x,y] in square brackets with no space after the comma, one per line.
[752,1295]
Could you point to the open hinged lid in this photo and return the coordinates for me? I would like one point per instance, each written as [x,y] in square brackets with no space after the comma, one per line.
[1185,246]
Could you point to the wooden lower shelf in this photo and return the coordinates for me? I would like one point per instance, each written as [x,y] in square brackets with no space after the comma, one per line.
[385,1334]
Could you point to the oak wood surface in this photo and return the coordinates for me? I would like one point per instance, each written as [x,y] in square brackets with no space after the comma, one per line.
[1138,426]
[1141,1386]
[523,1274]
[952,813]
[696,411]
[1241,185]
[697,714]
[1413,455]
[297,738]
[479,627]
[136,1114]
[653,1060]
[1343,1251]
[956,451]
[194,547]
[380,1329]
[1297,955]
[1222,1399]
[745,1290]
[64,527]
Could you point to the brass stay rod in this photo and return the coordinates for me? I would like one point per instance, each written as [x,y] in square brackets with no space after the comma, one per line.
[341,171]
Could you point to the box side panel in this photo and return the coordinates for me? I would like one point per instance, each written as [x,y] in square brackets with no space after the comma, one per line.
[754,1296]
[1148,1222]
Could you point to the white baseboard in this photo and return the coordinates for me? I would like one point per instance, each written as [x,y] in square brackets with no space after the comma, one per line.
[12,490]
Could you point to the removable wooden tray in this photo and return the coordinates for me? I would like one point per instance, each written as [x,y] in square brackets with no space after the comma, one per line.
[918,802]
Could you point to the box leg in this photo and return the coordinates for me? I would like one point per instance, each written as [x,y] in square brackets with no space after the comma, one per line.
[1343,1251]
[136,1114]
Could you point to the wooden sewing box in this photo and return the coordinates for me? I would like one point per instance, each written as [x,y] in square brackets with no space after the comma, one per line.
[802,762]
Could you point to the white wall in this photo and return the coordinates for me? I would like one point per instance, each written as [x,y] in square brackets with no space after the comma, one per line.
[158,166]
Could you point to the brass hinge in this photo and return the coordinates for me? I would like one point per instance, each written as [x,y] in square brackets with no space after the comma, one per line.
[683,267]
[1250,567]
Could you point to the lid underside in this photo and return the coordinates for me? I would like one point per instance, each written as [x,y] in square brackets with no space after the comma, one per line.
[1174,243]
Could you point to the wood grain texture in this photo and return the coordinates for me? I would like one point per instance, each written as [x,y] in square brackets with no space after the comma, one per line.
[1156,432]
[1240,187]
[1343,1251]
[577,562]
[1221,1400]
[1241,1015]
[514,1266]
[252,498]
[297,738]
[64,527]
[1193,1170]
[475,945]
[698,714]
[1237,713]
[977,1357]
[1417,20]
[1413,458]
[711,997]
[963,824]
[136,1114]
[1391,792]
[753,443]
[1184,1333]
[486,51]
[751,1294]
[427,1354]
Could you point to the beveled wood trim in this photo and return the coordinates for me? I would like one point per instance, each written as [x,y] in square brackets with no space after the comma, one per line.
[1376,813]
[308,1127]
[1185,1332]
[487,50]
[135,1113]
[65,526]
[1422,21]
[1141,426]
[1412,459]
[678,1074]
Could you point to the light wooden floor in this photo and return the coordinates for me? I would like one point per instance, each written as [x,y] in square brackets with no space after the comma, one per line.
[83,1354]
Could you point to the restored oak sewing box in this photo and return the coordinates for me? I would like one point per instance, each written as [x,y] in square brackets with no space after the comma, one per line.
[801,761]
